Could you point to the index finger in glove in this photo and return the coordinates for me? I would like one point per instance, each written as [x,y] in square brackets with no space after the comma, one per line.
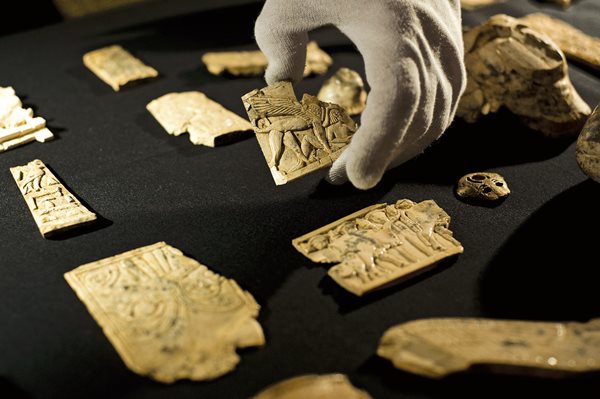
[387,119]
[281,32]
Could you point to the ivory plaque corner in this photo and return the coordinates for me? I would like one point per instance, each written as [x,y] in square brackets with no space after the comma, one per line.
[297,137]
[168,316]
[207,122]
[117,67]
[53,207]
[382,245]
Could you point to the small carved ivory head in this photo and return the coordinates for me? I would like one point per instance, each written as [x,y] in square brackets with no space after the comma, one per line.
[485,186]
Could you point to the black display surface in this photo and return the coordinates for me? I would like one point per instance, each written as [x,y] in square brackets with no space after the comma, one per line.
[529,258]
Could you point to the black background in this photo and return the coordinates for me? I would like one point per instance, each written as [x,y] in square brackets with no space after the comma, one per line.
[529,258]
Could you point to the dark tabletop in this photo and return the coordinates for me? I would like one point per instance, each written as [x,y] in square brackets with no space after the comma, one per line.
[529,258]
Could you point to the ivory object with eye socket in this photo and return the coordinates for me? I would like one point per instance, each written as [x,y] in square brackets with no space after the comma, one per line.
[484,186]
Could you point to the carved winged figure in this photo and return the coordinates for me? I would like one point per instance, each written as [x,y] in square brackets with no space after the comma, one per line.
[325,126]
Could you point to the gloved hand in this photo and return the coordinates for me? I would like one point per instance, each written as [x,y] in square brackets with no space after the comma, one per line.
[413,56]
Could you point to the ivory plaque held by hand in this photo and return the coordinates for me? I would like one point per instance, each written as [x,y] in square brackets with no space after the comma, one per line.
[297,137]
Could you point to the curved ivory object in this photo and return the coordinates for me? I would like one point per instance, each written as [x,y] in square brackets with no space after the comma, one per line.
[345,88]
[576,45]
[512,65]
[588,146]
[437,347]
[329,386]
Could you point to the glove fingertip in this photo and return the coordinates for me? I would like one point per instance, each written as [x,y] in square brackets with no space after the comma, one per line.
[337,173]
[278,71]
[362,174]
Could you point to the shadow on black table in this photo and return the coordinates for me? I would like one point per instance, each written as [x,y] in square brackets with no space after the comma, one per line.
[198,30]
[9,390]
[548,269]
[494,141]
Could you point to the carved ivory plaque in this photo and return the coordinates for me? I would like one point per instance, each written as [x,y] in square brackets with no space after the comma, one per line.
[18,126]
[345,88]
[254,63]
[168,316]
[207,122]
[588,146]
[574,43]
[117,67]
[382,245]
[511,65]
[437,347]
[295,137]
[53,207]
[474,4]
[329,386]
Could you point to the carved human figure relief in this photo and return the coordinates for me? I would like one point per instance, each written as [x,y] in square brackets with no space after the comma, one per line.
[117,67]
[207,122]
[435,348]
[53,207]
[254,63]
[382,244]
[328,386]
[168,316]
[514,66]
[18,126]
[297,137]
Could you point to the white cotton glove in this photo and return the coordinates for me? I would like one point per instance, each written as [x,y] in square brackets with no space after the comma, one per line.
[413,55]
